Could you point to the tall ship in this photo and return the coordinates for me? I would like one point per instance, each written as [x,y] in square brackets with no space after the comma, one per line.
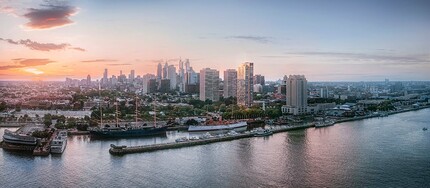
[129,130]
[20,139]
[59,143]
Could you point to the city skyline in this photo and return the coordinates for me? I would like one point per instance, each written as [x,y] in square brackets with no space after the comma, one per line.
[330,41]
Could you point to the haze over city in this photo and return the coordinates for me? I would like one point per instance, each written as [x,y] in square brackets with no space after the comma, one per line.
[326,41]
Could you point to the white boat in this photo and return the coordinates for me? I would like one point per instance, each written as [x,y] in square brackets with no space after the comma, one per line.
[265,132]
[182,139]
[59,143]
[204,128]
[324,123]
[16,138]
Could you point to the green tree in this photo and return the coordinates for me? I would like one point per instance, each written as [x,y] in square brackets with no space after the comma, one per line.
[61,119]
[47,120]
[71,122]
[3,106]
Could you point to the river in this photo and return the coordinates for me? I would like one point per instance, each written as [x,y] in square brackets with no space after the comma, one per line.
[391,151]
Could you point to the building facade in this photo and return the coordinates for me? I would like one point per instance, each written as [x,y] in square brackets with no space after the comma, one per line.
[230,83]
[297,95]
[245,83]
[209,84]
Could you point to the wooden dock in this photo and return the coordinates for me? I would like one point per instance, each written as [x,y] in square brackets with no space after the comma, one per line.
[121,150]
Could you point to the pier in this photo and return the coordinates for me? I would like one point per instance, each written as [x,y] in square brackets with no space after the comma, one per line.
[121,150]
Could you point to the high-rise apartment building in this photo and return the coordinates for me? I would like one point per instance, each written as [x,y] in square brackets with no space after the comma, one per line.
[172,76]
[181,76]
[131,76]
[297,95]
[88,80]
[209,84]
[259,79]
[230,83]
[165,69]
[105,77]
[159,71]
[245,83]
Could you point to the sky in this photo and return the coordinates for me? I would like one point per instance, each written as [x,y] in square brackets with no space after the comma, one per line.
[363,40]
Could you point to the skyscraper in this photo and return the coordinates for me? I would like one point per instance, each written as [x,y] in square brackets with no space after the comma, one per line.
[171,75]
[105,77]
[181,72]
[297,95]
[159,71]
[187,65]
[259,79]
[230,83]
[88,80]
[324,92]
[166,66]
[245,83]
[131,77]
[209,84]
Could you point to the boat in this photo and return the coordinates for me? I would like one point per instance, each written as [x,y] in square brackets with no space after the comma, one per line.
[425,128]
[226,126]
[59,143]
[265,132]
[182,139]
[129,130]
[206,136]
[324,123]
[16,138]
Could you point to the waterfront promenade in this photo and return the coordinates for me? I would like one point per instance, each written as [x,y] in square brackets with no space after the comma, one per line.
[121,150]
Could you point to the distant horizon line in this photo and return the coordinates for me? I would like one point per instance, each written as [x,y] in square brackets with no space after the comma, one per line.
[265,81]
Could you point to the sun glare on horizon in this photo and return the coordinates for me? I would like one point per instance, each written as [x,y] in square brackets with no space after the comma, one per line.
[34,71]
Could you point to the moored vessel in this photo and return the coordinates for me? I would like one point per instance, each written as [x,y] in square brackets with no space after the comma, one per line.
[265,132]
[59,143]
[324,123]
[128,130]
[226,126]
[16,138]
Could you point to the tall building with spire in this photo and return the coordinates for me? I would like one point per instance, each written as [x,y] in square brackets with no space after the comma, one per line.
[245,83]
[187,65]
[230,83]
[88,80]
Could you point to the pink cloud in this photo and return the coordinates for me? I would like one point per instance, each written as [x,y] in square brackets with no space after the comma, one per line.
[50,17]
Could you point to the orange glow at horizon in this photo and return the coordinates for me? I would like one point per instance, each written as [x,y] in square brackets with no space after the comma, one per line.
[33,71]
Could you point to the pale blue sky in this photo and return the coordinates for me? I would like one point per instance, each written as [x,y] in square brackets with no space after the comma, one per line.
[325,40]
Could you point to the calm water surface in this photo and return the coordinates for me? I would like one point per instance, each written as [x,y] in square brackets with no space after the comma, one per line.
[392,151]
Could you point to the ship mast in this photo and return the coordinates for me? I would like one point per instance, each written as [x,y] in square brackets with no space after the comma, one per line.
[155,115]
[116,113]
[231,111]
[100,106]
[101,115]
[136,109]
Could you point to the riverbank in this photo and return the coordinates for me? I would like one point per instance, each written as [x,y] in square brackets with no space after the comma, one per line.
[379,115]
[275,129]
[121,150]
